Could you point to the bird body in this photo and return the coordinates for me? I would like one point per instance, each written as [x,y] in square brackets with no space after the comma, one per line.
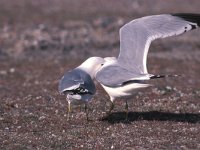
[126,91]
[78,85]
[122,77]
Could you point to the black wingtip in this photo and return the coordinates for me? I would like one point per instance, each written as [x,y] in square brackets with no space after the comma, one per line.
[163,76]
[194,18]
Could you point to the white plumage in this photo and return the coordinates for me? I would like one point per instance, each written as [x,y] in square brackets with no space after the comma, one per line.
[122,77]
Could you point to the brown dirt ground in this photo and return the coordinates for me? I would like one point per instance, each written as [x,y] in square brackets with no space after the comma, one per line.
[34,55]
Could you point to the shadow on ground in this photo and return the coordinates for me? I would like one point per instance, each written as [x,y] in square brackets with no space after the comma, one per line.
[118,117]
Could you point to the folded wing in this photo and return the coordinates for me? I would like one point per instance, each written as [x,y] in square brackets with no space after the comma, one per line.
[77,81]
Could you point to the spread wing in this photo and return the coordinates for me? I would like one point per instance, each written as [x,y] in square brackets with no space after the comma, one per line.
[135,39]
[137,35]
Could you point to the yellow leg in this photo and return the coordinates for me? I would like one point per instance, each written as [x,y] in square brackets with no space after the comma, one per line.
[111,108]
[69,111]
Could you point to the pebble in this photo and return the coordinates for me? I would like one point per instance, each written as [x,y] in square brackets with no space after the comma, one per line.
[42,117]
[12,70]
[3,72]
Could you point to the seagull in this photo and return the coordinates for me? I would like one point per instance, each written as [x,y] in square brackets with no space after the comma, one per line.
[124,76]
[77,84]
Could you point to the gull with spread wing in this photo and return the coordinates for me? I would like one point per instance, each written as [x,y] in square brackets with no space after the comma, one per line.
[123,76]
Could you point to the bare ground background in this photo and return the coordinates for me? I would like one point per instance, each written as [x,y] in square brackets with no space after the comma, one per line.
[40,40]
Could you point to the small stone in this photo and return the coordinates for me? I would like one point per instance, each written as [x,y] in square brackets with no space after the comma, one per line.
[12,70]
[169,88]
[42,117]
[16,106]
[37,82]
[56,111]
[38,97]
[53,135]
[3,72]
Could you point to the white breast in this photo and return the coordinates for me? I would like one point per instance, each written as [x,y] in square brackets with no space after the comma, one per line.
[124,91]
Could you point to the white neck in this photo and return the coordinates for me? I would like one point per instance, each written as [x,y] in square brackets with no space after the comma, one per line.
[91,65]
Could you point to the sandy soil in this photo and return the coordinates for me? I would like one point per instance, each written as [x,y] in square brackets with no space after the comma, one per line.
[35,51]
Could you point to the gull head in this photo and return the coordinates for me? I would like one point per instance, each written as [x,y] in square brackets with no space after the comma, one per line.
[92,65]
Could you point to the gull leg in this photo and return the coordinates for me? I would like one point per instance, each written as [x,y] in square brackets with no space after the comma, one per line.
[69,111]
[126,110]
[86,111]
[80,108]
[111,107]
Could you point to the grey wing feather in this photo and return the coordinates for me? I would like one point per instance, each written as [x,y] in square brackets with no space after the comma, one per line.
[75,79]
[113,76]
[137,35]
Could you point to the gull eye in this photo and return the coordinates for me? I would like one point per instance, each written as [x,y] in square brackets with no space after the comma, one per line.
[101,64]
